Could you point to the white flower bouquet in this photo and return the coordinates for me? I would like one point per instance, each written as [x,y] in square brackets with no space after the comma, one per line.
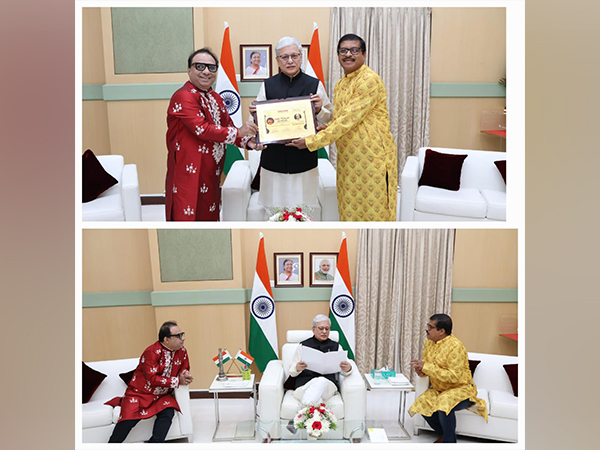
[294,214]
[315,419]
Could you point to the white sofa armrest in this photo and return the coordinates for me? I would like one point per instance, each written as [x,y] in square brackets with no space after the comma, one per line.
[270,391]
[409,183]
[327,191]
[354,394]
[132,203]
[236,192]
[182,395]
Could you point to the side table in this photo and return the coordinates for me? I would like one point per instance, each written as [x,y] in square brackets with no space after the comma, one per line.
[231,385]
[384,385]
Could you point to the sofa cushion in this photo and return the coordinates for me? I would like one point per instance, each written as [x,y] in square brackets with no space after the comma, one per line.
[95,180]
[496,204]
[467,202]
[512,370]
[442,170]
[504,404]
[473,365]
[501,165]
[96,414]
[126,376]
[104,208]
[290,406]
[483,395]
[90,380]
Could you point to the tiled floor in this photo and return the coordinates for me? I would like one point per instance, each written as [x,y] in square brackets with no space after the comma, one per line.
[380,406]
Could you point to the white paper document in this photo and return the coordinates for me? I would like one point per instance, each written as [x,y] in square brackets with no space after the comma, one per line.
[377,435]
[323,363]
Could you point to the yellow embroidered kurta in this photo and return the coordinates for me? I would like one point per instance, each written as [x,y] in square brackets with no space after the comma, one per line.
[447,365]
[367,167]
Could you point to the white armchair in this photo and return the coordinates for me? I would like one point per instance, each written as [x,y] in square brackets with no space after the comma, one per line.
[121,201]
[98,420]
[481,197]
[275,403]
[240,202]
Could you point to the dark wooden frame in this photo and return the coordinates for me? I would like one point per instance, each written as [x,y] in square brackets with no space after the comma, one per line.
[245,61]
[314,267]
[288,100]
[281,257]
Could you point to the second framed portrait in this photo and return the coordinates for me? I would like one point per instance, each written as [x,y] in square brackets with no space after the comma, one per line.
[255,62]
[289,269]
[322,268]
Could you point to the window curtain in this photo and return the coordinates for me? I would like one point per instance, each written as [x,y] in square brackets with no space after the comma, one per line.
[398,48]
[402,278]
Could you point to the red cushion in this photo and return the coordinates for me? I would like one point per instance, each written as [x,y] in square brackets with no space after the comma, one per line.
[501,165]
[126,376]
[91,379]
[473,365]
[94,178]
[442,170]
[512,370]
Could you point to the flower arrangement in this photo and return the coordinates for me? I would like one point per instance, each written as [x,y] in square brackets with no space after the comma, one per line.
[294,214]
[315,419]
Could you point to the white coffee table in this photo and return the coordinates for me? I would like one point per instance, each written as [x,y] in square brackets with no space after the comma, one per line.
[384,385]
[231,385]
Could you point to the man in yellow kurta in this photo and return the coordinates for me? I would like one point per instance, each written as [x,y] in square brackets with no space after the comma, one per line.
[446,362]
[367,168]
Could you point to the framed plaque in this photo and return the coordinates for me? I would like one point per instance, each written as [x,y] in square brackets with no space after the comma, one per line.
[281,121]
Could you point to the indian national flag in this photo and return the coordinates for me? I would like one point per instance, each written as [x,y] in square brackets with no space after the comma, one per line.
[227,88]
[314,67]
[244,358]
[341,305]
[226,357]
[263,326]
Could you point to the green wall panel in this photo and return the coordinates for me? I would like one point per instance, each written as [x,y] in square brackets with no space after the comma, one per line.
[121,298]
[152,40]
[195,255]
[484,295]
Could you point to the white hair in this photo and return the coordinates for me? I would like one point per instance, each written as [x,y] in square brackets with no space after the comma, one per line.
[320,318]
[285,41]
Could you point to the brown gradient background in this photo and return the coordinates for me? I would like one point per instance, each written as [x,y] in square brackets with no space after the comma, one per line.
[38,228]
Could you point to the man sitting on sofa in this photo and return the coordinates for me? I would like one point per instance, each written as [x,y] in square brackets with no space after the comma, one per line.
[163,367]
[312,387]
[446,362]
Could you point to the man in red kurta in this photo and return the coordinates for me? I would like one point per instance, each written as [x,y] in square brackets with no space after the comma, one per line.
[163,367]
[199,129]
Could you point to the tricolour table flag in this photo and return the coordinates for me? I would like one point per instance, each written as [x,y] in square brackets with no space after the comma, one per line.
[244,358]
[314,68]
[226,357]
[227,88]
[263,326]
[341,305]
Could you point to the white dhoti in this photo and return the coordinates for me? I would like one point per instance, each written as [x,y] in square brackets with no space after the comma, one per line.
[317,390]
[288,189]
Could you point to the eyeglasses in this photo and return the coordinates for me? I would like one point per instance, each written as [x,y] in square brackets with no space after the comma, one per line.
[323,328]
[354,50]
[178,335]
[201,66]
[430,327]
[294,56]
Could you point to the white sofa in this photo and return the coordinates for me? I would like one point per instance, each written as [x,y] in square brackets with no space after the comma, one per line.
[493,386]
[275,403]
[240,202]
[481,197]
[98,419]
[119,202]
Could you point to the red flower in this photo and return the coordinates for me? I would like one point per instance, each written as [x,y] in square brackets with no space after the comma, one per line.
[317,425]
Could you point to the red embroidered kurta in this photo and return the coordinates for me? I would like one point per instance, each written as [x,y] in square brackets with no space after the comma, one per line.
[199,128]
[150,389]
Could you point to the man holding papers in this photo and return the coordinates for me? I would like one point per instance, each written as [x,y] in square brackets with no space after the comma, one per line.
[312,386]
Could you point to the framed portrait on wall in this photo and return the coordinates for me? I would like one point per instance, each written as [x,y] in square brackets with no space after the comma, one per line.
[322,268]
[255,62]
[289,269]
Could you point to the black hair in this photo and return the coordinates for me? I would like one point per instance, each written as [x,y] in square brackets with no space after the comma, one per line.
[443,321]
[254,53]
[165,330]
[203,50]
[352,37]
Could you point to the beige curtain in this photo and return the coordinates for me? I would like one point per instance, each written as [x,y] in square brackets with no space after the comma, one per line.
[398,49]
[403,277]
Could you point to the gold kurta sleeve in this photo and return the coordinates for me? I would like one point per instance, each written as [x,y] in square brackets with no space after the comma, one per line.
[447,365]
